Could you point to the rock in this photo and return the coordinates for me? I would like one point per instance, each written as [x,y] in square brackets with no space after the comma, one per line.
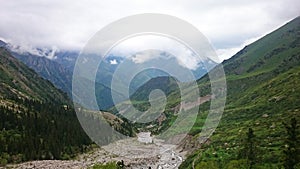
[273,126]
[265,115]
[168,159]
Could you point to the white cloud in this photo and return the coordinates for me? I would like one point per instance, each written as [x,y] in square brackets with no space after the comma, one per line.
[146,47]
[69,24]
[28,49]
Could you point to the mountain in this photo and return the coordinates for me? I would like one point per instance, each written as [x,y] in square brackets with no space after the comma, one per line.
[19,81]
[2,44]
[57,66]
[165,83]
[37,121]
[60,76]
[43,61]
[66,58]
[263,92]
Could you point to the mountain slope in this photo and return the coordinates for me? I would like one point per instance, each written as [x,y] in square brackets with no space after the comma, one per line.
[19,81]
[46,63]
[262,93]
[37,120]
[48,69]
[2,44]
[165,83]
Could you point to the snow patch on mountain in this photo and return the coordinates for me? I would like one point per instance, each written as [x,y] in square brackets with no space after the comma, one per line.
[113,62]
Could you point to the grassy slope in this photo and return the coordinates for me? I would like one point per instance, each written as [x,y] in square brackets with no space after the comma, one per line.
[262,80]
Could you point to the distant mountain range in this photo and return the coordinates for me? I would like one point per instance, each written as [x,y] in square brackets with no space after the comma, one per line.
[57,67]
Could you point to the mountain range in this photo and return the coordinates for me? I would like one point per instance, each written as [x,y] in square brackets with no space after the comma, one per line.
[263,94]
[57,67]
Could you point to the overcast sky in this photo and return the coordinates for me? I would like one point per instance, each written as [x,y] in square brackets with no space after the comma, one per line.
[228,24]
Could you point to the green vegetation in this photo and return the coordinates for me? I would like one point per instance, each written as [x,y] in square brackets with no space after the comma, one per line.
[48,69]
[249,150]
[37,121]
[17,80]
[292,152]
[110,165]
[262,92]
[32,130]
[140,101]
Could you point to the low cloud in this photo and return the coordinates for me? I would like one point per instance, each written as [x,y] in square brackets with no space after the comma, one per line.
[69,24]
[143,48]
[28,49]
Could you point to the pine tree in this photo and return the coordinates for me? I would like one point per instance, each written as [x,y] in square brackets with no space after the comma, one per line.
[292,151]
[249,151]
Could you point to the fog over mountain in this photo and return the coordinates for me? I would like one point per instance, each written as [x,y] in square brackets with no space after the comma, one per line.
[69,24]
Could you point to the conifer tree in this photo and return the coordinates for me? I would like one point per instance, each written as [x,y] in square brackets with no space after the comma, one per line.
[291,152]
[249,150]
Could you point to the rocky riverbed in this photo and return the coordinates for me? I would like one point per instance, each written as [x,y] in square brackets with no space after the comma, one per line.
[135,154]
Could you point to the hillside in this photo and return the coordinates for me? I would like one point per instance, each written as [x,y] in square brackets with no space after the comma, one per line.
[56,73]
[37,120]
[21,82]
[263,93]
[164,83]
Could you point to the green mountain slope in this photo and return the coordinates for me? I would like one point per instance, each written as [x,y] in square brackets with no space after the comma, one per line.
[140,101]
[19,81]
[37,120]
[263,92]
[165,83]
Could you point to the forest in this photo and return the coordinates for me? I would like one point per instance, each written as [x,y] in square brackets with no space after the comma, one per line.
[32,130]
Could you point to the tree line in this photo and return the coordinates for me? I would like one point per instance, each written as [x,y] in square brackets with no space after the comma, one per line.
[32,130]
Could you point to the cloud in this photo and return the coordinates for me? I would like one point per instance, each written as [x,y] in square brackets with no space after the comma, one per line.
[69,24]
[147,47]
[28,49]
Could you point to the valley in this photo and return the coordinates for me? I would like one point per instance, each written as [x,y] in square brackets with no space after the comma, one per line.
[41,127]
